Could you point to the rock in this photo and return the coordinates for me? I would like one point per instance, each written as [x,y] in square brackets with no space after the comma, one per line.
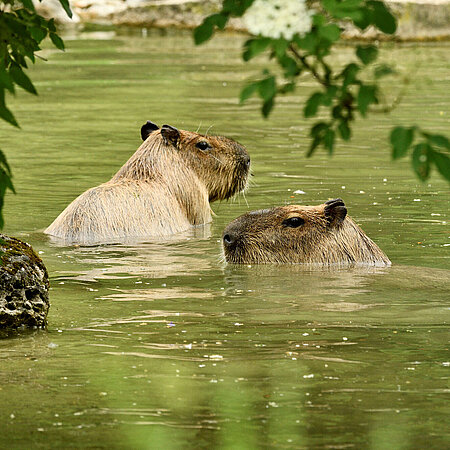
[23,285]
[417,19]
[53,9]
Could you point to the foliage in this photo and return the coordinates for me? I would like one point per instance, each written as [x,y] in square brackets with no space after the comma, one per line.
[344,92]
[424,153]
[21,32]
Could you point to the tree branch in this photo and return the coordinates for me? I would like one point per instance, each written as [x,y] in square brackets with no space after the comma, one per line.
[311,68]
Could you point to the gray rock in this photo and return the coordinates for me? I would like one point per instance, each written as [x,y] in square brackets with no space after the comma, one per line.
[23,285]
[417,19]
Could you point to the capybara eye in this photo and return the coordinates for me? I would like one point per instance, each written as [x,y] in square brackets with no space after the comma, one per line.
[203,145]
[293,222]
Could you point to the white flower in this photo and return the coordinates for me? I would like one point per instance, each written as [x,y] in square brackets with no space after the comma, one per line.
[278,18]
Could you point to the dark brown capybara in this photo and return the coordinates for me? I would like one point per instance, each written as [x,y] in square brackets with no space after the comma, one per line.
[164,188]
[321,235]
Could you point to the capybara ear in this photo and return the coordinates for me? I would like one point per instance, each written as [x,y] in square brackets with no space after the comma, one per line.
[335,211]
[147,129]
[170,134]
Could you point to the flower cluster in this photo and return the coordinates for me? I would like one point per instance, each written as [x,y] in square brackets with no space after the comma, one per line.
[278,18]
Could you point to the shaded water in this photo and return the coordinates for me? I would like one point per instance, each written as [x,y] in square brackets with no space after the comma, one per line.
[159,344]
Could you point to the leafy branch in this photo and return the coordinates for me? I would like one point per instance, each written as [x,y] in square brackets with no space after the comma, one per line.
[21,32]
[432,149]
[345,93]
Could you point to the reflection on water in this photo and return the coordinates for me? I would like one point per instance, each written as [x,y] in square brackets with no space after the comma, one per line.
[152,260]
[160,344]
[197,232]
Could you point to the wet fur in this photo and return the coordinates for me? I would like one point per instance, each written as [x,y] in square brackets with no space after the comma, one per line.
[164,188]
[327,237]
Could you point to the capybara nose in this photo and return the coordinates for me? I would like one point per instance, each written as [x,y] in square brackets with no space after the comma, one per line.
[229,239]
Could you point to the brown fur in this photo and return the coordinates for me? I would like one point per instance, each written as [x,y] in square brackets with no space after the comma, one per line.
[164,188]
[326,236]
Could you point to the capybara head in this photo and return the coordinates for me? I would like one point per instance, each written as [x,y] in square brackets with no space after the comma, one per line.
[221,163]
[322,234]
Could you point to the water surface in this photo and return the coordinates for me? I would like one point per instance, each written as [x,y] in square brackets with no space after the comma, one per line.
[161,345]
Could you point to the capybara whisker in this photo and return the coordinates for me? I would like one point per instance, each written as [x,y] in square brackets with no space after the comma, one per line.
[245,198]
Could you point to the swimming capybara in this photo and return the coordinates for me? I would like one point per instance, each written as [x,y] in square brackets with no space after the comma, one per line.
[164,188]
[321,235]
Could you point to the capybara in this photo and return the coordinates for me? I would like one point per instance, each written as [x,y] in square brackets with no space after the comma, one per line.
[321,235]
[164,188]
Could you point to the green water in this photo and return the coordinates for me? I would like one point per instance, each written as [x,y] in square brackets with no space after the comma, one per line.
[160,345]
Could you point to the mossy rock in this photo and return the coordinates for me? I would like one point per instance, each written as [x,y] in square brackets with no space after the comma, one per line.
[23,285]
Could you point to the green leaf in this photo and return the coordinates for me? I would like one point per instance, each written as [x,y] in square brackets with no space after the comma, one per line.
[21,79]
[367,54]
[57,41]
[20,59]
[349,74]
[6,80]
[317,133]
[382,70]
[328,140]
[203,32]
[66,6]
[5,113]
[401,139]
[220,20]
[367,94]
[236,7]
[439,140]
[267,88]
[248,91]
[421,160]
[29,5]
[442,162]
[38,33]
[4,163]
[344,130]
[254,47]
[267,107]
[382,17]
[336,111]
[318,20]
[314,144]
[331,5]
[365,18]
[288,87]
[5,183]
[330,32]
[289,65]
[280,46]
[308,42]
[312,104]
[344,9]
[8,116]
[329,95]
[318,129]
[51,25]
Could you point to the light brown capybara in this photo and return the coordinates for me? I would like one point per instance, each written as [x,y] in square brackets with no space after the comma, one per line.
[320,235]
[163,189]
